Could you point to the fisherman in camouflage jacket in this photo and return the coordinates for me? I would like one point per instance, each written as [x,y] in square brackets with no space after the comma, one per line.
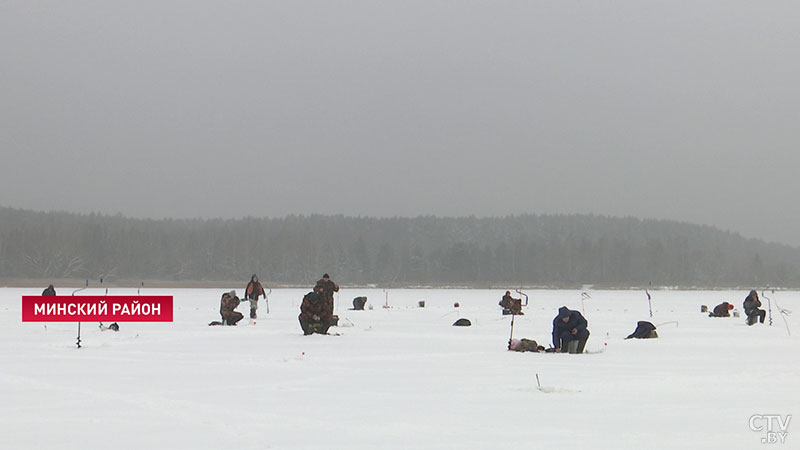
[315,313]
[328,288]
[227,306]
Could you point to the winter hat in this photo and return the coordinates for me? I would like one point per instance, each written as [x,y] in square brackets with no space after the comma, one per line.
[730,306]
[326,276]
[563,312]
[508,292]
[232,293]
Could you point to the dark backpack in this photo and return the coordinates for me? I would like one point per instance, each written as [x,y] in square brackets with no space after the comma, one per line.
[642,330]
[462,323]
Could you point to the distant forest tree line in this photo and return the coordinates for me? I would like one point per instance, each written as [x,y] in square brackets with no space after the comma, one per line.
[527,250]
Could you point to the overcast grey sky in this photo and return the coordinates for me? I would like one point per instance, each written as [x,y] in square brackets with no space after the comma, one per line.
[678,110]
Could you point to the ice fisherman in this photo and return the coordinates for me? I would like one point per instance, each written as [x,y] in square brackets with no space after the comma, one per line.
[511,305]
[751,308]
[50,291]
[252,292]
[721,310]
[358,303]
[227,306]
[315,312]
[328,288]
[569,331]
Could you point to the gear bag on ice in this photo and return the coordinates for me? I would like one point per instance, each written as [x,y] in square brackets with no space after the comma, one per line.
[644,330]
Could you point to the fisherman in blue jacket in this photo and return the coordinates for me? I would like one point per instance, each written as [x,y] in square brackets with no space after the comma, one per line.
[569,331]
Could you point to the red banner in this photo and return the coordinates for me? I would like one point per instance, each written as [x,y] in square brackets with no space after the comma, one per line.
[88,308]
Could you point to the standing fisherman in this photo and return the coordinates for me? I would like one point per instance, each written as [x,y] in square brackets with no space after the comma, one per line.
[328,288]
[252,292]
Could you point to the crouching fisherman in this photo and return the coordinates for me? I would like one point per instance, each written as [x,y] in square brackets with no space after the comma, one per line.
[751,308]
[315,313]
[721,310]
[358,303]
[227,306]
[569,331]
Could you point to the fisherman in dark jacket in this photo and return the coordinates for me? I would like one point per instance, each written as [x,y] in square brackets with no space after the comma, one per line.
[358,303]
[721,310]
[569,331]
[49,292]
[751,308]
[315,313]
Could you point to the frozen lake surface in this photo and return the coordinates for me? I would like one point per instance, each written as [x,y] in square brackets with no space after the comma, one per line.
[401,377]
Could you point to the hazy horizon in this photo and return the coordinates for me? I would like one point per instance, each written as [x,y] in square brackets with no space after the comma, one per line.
[478,216]
[684,112]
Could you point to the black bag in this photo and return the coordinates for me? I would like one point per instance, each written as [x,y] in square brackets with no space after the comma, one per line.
[462,323]
[643,330]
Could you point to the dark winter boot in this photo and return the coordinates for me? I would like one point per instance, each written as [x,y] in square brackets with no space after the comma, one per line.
[581,345]
[253,313]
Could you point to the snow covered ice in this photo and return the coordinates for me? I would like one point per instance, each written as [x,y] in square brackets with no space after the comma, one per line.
[401,377]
